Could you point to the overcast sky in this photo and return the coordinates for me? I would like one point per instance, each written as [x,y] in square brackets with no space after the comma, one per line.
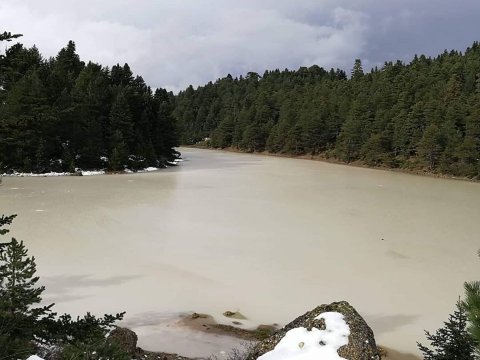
[174,43]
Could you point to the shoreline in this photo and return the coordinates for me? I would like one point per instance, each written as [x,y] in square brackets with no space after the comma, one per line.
[321,158]
[93,172]
[206,324]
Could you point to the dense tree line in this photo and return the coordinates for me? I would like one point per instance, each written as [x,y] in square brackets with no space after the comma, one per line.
[420,115]
[59,114]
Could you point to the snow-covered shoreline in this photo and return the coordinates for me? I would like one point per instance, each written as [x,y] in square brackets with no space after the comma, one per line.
[89,172]
[54,174]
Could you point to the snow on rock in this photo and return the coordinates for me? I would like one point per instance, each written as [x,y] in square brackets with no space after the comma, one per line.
[34,357]
[302,344]
[329,331]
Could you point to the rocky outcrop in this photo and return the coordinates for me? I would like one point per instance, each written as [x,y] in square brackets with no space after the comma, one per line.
[361,342]
[125,338]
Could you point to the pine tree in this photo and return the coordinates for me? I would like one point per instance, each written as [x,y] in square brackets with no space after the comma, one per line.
[23,326]
[452,342]
[430,147]
[357,71]
[5,221]
[118,156]
[86,338]
[121,118]
[20,322]
[472,306]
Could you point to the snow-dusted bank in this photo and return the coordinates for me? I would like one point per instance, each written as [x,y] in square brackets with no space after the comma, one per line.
[79,172]
[303,344]
[54,174]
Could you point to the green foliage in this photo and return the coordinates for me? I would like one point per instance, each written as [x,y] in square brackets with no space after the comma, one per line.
[24,326]
[8,36]
[420,115]
[5,221]
[99,350]
[452,342]
[85,337]
[20,322]
[472,306]
[60,113]
[118,156]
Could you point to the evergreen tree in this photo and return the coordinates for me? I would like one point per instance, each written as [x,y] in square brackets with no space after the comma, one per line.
[86,338]
[58,114]
[24,326]
[121,118]
[421,115]
[452,342]
[431,146]
[5,221]
[357,71]
[118,156]
[8,36]
[472,306]
[20,322]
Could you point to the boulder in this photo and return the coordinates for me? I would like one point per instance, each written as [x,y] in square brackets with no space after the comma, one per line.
[361,341]
[125,338]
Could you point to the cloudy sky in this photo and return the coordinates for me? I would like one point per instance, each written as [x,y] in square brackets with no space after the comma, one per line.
[174,43]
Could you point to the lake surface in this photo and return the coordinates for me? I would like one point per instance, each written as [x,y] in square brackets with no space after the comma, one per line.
[270,237]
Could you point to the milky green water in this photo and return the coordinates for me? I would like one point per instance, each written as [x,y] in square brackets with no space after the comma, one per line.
[270,237]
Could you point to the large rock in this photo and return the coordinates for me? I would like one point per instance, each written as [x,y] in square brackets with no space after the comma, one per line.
[361,342]
[125,338]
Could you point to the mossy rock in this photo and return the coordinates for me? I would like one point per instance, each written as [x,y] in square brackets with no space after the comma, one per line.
[234,315]
[361,341]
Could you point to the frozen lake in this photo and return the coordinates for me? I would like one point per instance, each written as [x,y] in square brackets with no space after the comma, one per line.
[270,237]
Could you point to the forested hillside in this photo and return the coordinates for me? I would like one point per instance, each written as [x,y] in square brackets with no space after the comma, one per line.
[59,114]
[421,115]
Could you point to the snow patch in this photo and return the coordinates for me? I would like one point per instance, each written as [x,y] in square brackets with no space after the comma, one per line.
[50,174]
[83,172]
[302,344]
[34,357]
[174,162]
[148,169]
[91,173]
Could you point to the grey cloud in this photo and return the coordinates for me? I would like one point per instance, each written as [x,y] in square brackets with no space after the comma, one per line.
[176,43]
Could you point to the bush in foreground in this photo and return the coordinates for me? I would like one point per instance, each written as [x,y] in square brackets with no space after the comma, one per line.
[472,306]
[453,341]
[26,328]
